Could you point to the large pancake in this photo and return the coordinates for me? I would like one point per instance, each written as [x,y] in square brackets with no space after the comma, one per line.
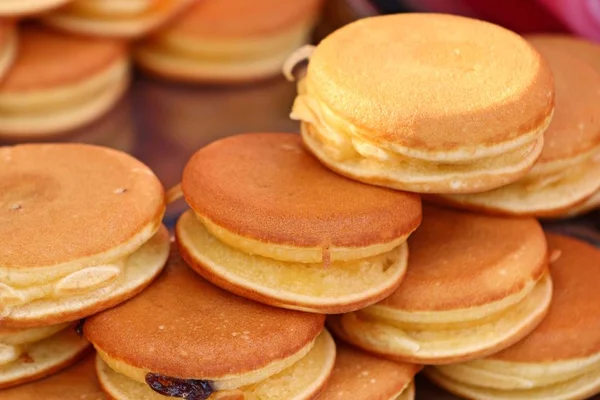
[198,330]
[267,188]
[78,382]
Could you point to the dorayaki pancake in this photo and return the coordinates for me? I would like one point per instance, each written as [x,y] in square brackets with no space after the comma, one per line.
[60,81]
[200,332]
[30,354]
[270,223]
[560,359]
[568,170]
[229,40]
[8,47]
[360,376]
[78,382]
[81,231]
[475,285]
[126,19]
[19,8]
[445,112]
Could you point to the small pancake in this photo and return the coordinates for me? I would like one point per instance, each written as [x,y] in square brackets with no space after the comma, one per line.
[126,19]
[360,376]
[475,285]
[43,358]
[60,81]
[560,359]
[49,195]
[568,170]
[436,73]
[78,382]
[229,40]
[192,337]
[20,8]
[8,47]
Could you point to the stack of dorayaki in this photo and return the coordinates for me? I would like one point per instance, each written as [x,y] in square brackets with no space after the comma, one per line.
[398,233]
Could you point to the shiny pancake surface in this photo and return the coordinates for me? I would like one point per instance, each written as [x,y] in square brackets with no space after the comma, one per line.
[51,193]
[75,383]
[360,376]
[267,188]
[198,330]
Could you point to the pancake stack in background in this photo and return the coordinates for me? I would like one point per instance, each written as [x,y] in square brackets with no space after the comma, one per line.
[398,233]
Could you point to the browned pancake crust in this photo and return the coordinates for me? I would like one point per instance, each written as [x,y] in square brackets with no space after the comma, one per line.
[265,186]
[198,330]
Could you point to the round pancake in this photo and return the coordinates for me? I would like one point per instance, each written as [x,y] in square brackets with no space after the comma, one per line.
[44,358]
[192,336]
[8,47]
[360,376]
[76,382]
[59,82]
[46,197]
[103,19]
[18,8]
[229,182]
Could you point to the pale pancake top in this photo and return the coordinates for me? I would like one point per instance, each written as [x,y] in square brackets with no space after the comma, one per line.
[461,260]
[182,326]
[575,127]
[48,59]
[240,18]
[571,328]
[267,187]
[582,48]
[360,376]
[432,81]
[75,383]
[64,202]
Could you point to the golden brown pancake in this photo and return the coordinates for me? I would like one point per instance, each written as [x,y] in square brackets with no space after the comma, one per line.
[79,382]
[560,359]
[568,170]
[59,82]
[360,376]
[81,231]
[126,19]
[445,112]
[270,223]
[21,8]
[8,47]
[229,40]
[475,285]
[232,344]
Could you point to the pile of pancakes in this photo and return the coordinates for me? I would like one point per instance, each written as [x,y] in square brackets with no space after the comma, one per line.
[398,233]
[65,63]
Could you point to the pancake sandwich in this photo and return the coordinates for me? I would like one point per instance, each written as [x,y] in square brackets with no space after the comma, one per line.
[560,359]
[81,232]
[361,376]
[229,41]
[475,285]
[205,343]
[445,112]
[567,174]
[127,19]
[60,82]
[270,223]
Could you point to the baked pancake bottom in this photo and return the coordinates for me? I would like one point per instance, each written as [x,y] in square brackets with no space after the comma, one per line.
[339,287]
[301,381]
[44,358]
[140,269]
[447,344]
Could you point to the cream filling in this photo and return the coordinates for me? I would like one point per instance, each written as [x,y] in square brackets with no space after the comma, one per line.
[8,54]
[506,375]
[408,393]
[47,101]
[14,343]
[290,253]
[111,7]
[343,141]
[434,342]
[231,382]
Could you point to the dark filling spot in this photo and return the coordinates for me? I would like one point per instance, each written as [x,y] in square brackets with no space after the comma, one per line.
[26,359]
[190,389]
[79,327]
